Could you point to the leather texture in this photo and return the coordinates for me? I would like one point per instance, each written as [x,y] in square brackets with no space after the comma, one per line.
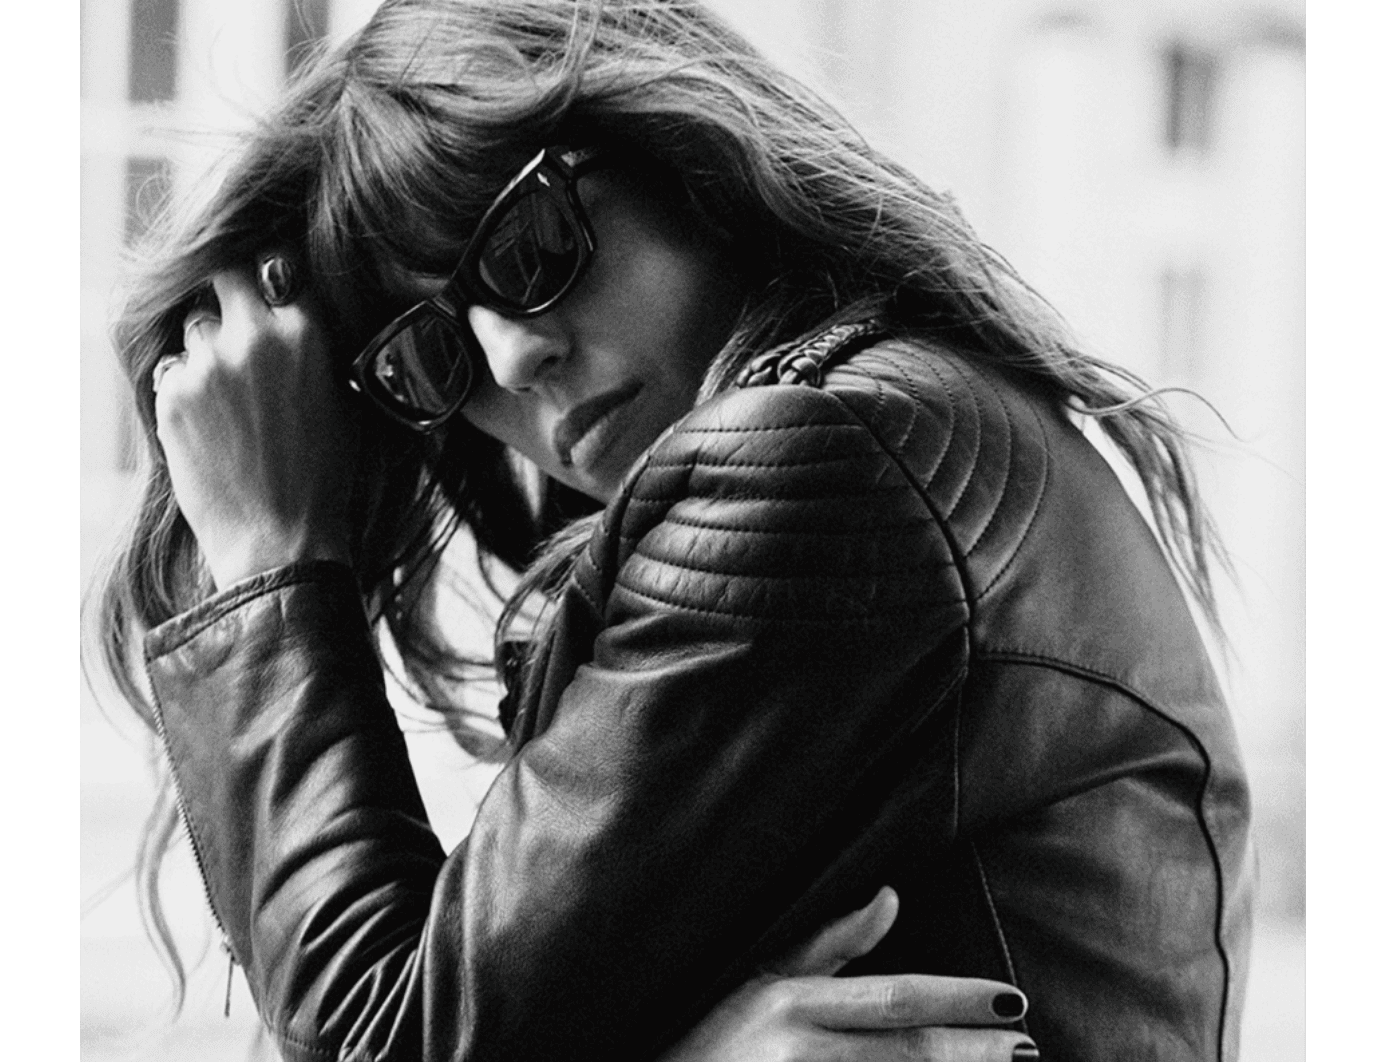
[900,628]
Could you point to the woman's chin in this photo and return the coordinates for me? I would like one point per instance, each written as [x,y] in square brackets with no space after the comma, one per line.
[593,483]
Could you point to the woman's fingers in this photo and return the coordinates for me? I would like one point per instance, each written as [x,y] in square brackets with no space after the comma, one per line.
[861,1019]
[921,1045]
[267,300]
[245,314]
[841,941]
[258,440]
[167,362]
[170,371]
[808,1016]
[899,1001]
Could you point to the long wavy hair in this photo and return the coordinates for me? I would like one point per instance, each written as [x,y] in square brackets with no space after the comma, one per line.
[383,155]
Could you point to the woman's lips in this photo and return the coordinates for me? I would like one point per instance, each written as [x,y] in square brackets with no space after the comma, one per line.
[582,418]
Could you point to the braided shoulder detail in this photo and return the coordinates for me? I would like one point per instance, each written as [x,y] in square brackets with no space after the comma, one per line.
[805,363]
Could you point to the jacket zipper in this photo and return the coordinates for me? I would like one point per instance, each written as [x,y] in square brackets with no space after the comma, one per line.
[232,961]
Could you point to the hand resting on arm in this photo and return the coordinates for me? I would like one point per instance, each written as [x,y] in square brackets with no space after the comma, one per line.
[799,1012]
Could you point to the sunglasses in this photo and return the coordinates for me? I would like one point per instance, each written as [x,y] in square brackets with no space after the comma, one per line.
[531,246]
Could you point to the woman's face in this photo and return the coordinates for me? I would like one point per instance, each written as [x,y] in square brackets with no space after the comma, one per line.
[583,389]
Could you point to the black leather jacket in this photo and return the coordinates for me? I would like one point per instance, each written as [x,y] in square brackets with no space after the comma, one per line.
[901,628]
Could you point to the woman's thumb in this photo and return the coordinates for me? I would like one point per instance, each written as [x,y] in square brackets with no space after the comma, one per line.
[841,941]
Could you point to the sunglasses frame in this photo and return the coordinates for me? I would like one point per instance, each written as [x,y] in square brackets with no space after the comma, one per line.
[554,168]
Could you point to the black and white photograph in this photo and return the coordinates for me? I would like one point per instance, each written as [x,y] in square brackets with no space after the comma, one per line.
[693,530]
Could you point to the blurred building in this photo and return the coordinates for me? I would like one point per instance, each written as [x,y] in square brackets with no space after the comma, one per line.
[1143,166]
[1141,163]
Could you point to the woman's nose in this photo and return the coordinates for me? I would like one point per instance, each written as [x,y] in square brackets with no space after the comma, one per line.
[521,351]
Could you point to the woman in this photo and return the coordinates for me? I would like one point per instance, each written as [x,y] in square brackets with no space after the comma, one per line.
[859,603]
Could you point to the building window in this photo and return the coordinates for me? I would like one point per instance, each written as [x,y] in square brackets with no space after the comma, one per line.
[305,24]
[1191,76]
[153,50]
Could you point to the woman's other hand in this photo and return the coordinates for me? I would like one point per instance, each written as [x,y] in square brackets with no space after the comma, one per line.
[799,1012]
[260,443]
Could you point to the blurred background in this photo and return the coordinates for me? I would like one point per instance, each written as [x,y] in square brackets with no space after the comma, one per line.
[1143,164]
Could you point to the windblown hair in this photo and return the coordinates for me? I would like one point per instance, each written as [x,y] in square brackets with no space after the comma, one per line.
[383,156]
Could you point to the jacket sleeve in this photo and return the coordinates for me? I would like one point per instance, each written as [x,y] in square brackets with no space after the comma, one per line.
[764,626]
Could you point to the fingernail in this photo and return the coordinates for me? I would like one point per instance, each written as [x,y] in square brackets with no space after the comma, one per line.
[277,279]
[195,320]
[1008,1005]
[1026,1053]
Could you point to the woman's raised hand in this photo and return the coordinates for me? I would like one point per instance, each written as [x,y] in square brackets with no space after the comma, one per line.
[260,442]
[798,1012]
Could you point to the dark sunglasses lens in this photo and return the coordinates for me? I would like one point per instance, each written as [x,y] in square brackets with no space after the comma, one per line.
[533,250]
[424,369]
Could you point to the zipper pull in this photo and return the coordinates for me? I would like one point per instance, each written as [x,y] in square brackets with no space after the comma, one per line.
[230,965]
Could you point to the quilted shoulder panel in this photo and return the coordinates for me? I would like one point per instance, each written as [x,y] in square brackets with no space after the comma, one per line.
[975,445]
[778,504]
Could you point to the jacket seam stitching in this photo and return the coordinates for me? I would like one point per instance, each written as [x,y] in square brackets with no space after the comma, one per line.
[693,429]
[1007,448]
[996,918]
[796,621]
[313,1049]
[1220,888]
[918,403]
[586,596]
[674,499]
[761,577]
[957,770]
[806,463]
[879,391]
[1030,520]
[851,533]
[977,441]
[1025,656]
[956,555]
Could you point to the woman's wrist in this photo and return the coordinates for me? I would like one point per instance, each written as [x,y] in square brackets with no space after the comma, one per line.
[257,554]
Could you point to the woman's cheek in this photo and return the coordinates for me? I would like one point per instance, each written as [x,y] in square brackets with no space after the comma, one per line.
[513,420]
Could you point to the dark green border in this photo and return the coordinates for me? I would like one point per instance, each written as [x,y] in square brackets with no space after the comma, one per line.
[39,442]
